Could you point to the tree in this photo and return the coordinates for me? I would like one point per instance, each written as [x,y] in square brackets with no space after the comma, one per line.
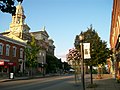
[53,64]
[8,6]
[74,56]
[98,49]
[31,52]
[65,66]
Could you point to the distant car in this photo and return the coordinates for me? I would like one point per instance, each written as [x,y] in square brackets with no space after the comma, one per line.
[71,70]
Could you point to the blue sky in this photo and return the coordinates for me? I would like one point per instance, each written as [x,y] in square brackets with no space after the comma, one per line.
[64,19]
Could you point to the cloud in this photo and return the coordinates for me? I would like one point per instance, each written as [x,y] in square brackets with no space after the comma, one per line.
[62,56]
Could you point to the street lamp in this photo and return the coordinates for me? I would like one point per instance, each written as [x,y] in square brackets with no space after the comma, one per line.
[43,64]
[81,38]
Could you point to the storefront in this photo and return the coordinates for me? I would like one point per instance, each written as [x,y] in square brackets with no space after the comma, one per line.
[11,55]
[7,67]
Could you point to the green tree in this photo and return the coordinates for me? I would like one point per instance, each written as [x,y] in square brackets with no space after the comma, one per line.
[53,64]
[66,66]
[8,6]
[31,52]
[98,49]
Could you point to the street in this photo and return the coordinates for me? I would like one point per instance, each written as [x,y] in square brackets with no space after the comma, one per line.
[49,83]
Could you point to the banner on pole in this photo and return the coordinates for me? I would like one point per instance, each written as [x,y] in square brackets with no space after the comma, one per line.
[86,47]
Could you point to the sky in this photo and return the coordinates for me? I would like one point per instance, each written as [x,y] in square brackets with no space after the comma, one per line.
[64,19]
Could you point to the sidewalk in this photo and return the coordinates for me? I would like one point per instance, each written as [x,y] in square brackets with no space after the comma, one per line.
[6,79]
[107,83]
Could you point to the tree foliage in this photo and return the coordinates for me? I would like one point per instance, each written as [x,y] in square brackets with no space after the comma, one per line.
[8,6]
[73,55]
[31,52]
[53,64]
[66,66]
[98,48]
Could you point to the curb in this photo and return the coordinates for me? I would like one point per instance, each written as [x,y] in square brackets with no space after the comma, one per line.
[26,78]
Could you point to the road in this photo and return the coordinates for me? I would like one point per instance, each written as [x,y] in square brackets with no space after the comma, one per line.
[49,83]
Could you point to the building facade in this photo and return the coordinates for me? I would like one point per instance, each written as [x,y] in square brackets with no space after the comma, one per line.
[20,31]
[115,37]
[46,45]
[12,55]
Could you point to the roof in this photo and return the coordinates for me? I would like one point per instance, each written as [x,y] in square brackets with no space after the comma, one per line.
[42,31]
[12,40]
[14,37]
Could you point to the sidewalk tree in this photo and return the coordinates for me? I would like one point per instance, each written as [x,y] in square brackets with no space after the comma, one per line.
[8,6]
[31,52]
[74,57]
[98,49]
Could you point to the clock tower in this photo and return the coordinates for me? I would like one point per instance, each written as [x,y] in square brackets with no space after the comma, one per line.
[18,26]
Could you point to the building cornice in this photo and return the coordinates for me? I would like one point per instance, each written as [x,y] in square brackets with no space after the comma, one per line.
[12,40]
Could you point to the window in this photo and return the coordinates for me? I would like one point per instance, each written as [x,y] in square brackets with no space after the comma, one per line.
[14,51]
[18,20]
[1,49]
[7,49]
[21,52]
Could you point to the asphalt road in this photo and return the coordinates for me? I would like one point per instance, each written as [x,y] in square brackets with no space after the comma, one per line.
[49,83]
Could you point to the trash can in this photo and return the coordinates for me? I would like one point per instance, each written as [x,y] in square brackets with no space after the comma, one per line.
[11,76]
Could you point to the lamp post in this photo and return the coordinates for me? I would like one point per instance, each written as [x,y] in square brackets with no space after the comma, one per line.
[43,65]
[81,37]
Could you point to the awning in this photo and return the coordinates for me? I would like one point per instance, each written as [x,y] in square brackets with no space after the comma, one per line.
[10,63]
[3,63]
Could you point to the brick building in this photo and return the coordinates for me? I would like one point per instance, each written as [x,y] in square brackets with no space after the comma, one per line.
[115,37]
[11,55]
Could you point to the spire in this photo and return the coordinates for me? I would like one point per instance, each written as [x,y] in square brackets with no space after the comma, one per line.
[19,3]
[19,16]
[19,9]
[18,26]
[43,29]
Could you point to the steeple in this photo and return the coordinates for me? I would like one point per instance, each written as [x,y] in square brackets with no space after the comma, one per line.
[43,29]
[18,26]
[19,16]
